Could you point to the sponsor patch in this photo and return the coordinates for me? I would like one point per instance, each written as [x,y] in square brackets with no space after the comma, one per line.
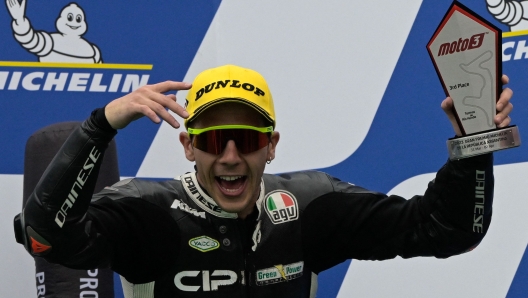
[281,207]
[279,273]
[204,243]
[209,280]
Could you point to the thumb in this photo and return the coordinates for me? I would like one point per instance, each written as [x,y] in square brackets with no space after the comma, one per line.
[448,107]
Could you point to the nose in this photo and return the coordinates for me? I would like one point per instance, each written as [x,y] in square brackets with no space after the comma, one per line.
[230,155]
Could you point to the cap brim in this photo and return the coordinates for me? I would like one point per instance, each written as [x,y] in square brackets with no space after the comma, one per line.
[204,107]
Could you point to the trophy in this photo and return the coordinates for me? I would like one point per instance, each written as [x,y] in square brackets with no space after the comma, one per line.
[466,52]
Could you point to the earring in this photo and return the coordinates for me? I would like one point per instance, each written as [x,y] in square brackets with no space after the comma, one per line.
[269,161]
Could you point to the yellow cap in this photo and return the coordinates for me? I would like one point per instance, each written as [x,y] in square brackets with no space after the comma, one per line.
[229,83]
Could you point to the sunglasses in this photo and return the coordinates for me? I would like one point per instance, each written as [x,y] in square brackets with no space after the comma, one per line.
[214,139]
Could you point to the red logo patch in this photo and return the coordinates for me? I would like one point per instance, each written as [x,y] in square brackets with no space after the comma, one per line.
[38,247]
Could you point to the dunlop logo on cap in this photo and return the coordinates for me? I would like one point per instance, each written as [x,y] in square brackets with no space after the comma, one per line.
[228,84]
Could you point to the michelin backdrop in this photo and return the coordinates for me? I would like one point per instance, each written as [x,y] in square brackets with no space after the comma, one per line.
[355,92]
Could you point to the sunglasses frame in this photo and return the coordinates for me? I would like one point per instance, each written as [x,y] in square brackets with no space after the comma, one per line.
[197,131]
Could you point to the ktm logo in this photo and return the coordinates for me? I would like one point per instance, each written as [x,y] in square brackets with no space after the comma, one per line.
[461,45]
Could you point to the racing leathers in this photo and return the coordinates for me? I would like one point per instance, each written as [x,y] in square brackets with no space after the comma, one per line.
[170,239]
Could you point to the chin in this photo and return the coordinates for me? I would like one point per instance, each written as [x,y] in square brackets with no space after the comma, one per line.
[232,207]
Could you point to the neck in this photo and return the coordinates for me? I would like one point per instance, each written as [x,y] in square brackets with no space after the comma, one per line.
[248,211]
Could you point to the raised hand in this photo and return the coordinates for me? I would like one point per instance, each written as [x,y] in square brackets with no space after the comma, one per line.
[504,107]
[149,101]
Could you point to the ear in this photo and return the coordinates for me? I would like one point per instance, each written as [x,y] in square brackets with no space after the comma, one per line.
[185,140]
[275,136]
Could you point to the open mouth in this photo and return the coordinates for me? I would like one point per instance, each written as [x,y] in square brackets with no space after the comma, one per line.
[74,27]
[231,185]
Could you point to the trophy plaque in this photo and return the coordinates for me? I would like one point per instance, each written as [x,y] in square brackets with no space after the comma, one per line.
[466,52]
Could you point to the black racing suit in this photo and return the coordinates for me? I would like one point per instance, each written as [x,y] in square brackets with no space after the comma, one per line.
[170,239]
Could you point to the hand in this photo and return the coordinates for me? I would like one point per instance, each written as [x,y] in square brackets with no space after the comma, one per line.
[16,10]
[147,101]
[504,107]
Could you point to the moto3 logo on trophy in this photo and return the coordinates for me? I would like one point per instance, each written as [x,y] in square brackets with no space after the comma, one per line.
[461,45]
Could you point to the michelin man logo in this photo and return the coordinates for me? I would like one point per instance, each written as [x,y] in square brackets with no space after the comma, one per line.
[66,45]
[512,13]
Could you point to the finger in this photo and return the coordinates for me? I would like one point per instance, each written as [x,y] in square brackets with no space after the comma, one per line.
[153,104]
[159,110]
[504,99]
[156,112]
[499,118]
[447,105]
[169,101]
[145,110]
[505,123]
[505,79]
[159,103]
[178,109]
[170,86]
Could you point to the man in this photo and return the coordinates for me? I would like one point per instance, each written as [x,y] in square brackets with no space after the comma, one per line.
[228,230]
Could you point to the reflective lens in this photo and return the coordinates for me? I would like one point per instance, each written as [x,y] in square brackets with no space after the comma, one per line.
[214,139]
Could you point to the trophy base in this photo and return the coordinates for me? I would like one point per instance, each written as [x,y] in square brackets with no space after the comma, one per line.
[484,142]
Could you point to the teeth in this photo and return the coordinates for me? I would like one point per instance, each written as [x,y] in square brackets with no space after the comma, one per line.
[230,178]
[230,190]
